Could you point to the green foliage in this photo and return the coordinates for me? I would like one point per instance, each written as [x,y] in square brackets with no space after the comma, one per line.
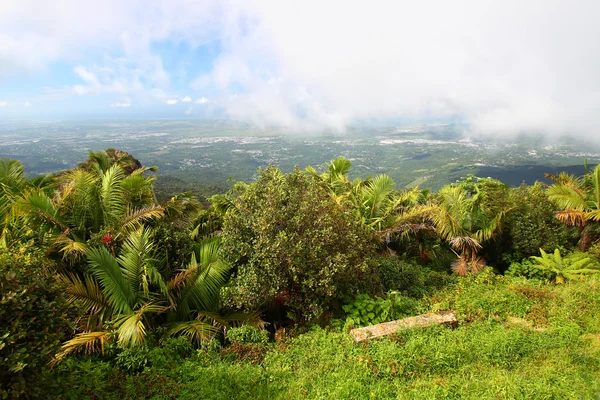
[481,297]
[544,345]
[579,201]
[573,266]
[303,241]
[527,269]
[531,223]
[168,352]
[366,310]
[129,296]
[246,334]
[175,244]
[410,279]
[34,319]
[290,239]
[468,214]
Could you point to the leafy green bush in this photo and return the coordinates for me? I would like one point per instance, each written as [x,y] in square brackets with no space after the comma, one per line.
[290,240]
[527,269]
[367,310]
[410,279]
[531,223]
[133,359]
[248,334]
[167,352]
[34,320]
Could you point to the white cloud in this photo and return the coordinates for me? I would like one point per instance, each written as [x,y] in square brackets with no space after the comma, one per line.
[26,104]
[122,105]
[3,103]
[503,67]
[186,99]
[171,101]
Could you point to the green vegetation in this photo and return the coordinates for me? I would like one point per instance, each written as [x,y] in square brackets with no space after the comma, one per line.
[107,292]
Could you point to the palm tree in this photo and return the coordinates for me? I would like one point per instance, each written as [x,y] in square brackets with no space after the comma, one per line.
[336,176]
[374,199]
[12,184]
[87,202]
[579,201]
[465,221]
[411,218]
[126,297]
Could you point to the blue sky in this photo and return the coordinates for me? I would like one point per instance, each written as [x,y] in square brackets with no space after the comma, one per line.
[501,67]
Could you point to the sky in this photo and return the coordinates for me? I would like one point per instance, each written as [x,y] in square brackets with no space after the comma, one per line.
[501,67]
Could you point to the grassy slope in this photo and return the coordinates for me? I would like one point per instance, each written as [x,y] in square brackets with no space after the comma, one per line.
[517,339]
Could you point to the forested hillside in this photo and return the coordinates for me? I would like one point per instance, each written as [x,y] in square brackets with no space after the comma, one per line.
[109,290]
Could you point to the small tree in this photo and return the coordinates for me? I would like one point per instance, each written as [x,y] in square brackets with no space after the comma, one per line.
[288,238]
[531,223]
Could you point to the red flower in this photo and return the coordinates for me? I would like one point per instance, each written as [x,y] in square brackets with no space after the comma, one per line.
[107,238]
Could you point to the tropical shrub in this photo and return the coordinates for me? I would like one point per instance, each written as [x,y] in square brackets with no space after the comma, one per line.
[126,297]
[528,269]
[34,319]
[468,214]
[102,196]
[410,279]
[367,310]
[247,334]
[531,223]
[577,199]
[288,239]
[573,266]
[168,352]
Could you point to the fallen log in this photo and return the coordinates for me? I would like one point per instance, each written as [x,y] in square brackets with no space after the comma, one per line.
[389,328]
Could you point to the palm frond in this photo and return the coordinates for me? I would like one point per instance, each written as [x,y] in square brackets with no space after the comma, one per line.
[137,261]
[91,341]
[134,218]
[201,289]
[37,205]
[568,196]
[131,328]
[137,189]
[116,288]
[86,292]
[197,330]
[111,194]
[460,266]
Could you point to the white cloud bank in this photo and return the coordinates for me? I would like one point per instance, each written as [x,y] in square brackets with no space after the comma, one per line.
[503,66]
[186,99]
[27,104]
[171,101]
[202,100]
[121,105]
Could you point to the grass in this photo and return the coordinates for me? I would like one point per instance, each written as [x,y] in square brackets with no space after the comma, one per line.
[517,339]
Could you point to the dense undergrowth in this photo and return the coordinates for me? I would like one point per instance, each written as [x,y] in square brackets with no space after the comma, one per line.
[107,293]
[517,339]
